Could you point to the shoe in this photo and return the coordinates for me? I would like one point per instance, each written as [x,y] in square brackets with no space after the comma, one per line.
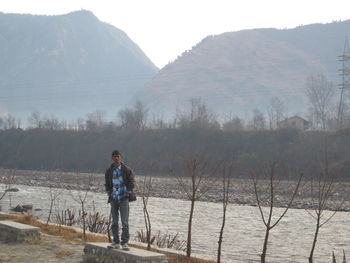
[114,245]
[125,246]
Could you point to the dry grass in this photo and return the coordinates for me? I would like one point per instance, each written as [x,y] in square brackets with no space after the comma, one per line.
[72,236]
[179,258]
[175,259]
[68,233]
[64,253]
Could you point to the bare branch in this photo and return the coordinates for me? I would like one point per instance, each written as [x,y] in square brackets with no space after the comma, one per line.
[290,202]
[257,198]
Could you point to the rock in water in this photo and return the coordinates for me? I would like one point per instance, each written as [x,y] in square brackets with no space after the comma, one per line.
[12,190]
[18,208]
[27,207]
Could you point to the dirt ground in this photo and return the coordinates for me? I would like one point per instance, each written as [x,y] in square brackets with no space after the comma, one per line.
[48,249]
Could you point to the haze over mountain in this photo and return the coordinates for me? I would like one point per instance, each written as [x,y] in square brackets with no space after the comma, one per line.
[67,65]
[236,72]
[70,65]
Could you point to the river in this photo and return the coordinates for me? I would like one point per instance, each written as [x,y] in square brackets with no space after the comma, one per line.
[290,241]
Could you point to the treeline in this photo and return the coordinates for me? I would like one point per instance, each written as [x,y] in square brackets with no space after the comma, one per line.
[151,144]
[325,112]
[154,151]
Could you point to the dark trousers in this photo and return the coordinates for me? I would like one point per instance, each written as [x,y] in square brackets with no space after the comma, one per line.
[121,208]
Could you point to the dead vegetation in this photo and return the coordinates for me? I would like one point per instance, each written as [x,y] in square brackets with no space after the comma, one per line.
[72,236]
[64,253]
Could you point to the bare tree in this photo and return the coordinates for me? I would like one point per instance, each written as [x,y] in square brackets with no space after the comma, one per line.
[198,116]
[258,120]
[11,123]
[200,178]
[127,119]
[1,122]
[146,189]
[96,120]
[4,191]
[134,119]
[158,122]
[141,114]
[334,260]
[81,196]
[80,124]
[52,123]
[271,188]
[233,124]
[54,193]
[321,191]
[320,91]
[35,119]
[226,179]
[7,178]
[275,112]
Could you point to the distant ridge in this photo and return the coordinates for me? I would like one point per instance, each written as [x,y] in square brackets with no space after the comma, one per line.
[235,72]
[67,65]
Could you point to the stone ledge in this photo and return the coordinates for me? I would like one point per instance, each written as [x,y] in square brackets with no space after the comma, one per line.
[99,253]
[16,232]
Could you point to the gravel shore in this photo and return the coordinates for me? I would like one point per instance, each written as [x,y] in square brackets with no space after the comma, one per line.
[241,190]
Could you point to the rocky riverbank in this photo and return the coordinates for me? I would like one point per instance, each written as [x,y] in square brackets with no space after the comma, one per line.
[241,190]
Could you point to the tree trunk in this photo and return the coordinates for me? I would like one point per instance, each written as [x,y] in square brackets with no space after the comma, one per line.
[50,212]
[148,227]
[315,240]
[108,228]
[221,235]
[263,254]
[189,232]
[84,225]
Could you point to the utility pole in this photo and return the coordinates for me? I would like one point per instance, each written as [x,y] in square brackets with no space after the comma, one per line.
[345,85]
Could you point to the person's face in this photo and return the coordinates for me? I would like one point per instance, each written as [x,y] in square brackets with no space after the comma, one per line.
[117,159]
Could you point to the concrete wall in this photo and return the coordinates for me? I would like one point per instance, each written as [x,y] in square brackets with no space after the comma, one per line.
[15,232]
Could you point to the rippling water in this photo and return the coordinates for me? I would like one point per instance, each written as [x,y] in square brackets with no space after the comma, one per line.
[290,241]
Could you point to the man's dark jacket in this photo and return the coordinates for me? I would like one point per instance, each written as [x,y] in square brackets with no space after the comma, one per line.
[128,178]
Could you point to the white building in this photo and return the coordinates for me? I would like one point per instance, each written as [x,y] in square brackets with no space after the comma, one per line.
[294,122]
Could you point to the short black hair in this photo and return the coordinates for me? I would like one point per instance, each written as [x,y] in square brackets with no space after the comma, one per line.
[115,152]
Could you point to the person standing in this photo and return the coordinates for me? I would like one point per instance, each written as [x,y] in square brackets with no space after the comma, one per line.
[119,182]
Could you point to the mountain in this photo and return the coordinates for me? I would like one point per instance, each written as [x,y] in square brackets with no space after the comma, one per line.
[67,65]
[236,72]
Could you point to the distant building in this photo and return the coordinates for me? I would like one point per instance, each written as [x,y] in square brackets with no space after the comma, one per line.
[294,122]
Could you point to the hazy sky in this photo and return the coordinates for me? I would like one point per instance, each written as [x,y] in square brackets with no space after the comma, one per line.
[165,28]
